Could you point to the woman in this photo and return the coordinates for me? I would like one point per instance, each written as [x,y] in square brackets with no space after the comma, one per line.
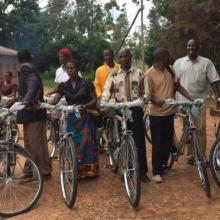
[81,92]
[8,89]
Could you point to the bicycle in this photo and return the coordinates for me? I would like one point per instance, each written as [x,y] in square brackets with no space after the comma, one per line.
[189,135]
[122,149]
[67,153]
[215,152]
[16,196]
[14,129]
[147,133]
[52,124]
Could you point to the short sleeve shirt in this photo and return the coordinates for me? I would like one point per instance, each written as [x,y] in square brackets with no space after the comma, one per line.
[162,86]
[79,95]
[61,75]
[195,75]
[7,89]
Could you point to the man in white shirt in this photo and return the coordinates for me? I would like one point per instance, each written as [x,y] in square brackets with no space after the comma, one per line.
[61,74]
[195,72]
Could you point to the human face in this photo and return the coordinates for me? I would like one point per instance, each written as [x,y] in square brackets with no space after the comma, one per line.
[7,77]
[192,49]
[125,59]
[71,70]
[62,58]
[108,56]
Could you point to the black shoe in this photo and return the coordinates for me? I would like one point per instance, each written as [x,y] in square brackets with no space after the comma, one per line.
[145,178]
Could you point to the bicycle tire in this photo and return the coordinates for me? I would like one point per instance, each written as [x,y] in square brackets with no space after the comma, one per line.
[200,163]
[18,153]
[215,161]
[54,138]
[131,170]
[112,145]
[174,152]
[68,158]
[147,128]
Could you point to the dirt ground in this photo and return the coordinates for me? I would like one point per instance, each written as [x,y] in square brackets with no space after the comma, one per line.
[177,197]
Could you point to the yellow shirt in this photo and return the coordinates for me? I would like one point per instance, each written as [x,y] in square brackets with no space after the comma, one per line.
[161,85]
[101,75]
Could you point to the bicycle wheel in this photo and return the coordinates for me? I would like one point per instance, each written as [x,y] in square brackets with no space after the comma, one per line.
[112,145]
[215,161]
[147,128]
[15,132]
[131,170]
[18,194]
[200,163]
[68,172]
[54,138]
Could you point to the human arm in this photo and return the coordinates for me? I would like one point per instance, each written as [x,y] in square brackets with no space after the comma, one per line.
[98,88]
[183,91]
[108,88]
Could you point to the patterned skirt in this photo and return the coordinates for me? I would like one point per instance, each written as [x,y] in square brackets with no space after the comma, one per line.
[84,139]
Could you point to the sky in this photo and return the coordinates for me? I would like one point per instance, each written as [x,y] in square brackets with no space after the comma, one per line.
[131,10]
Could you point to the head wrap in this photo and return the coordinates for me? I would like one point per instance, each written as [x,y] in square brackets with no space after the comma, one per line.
[66,52]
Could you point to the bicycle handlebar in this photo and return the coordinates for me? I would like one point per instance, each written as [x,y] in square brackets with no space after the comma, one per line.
[117,105]
[61,107]
[197,102]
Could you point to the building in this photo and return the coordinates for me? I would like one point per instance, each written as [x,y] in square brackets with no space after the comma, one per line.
[8,61]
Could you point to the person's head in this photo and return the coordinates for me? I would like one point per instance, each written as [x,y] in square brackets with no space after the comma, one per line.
[192,48]
[72,68]
[7,76]
[108,56]
[64,55]
[125,58]
[161,57]
[24,56]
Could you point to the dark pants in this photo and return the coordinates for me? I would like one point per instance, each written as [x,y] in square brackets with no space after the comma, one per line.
[137,127]
[162,128]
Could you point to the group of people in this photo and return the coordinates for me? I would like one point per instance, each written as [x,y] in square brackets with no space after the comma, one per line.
[188,78]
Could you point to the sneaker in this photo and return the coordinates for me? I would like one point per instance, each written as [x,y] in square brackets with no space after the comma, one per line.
[156,179]
[168,172]
[145,178]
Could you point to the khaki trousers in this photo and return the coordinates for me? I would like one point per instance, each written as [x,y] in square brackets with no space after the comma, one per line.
[200,124]
[35,141]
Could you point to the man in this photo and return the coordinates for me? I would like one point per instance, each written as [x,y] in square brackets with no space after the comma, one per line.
[195,72]
[102,74]
[33,120]
[127,85]
[103,71]
[162,82]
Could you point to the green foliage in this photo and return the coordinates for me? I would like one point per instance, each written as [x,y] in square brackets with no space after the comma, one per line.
[174,22]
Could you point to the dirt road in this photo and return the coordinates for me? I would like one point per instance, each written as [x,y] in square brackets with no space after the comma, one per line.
[178,197]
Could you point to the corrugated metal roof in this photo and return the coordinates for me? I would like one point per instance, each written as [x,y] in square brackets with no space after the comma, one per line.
[7,51]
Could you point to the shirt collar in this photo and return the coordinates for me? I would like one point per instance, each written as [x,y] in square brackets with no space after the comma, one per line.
[194,61]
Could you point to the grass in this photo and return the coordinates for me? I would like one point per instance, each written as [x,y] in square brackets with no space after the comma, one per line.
[50,84]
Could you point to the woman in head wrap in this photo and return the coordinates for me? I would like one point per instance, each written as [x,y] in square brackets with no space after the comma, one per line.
[61,74]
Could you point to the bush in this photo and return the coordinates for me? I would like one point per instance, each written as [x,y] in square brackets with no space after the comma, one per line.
[49,75]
